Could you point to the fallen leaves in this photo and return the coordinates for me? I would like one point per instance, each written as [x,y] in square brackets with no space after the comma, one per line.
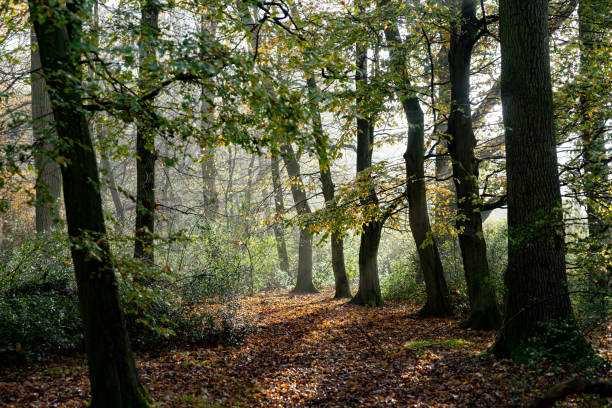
[314,351]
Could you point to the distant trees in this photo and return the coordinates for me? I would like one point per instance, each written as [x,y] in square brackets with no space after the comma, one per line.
[537,294]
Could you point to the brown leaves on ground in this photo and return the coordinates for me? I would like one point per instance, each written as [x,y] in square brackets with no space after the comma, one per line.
[315,351]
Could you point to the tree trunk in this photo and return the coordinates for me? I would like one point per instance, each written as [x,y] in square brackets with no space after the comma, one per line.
[593,131]
[343,289]
[537,293]
[145,141]
[209,168]
[48,180]
[484,313]
[112,371]
[368,293]
[438,299]
[445,200]
[279,207]
[304,273]
[109,180]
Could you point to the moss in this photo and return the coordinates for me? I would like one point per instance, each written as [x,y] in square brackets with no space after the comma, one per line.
[447,344]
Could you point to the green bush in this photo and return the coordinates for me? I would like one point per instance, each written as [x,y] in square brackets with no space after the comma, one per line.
[402,282]
[39,312]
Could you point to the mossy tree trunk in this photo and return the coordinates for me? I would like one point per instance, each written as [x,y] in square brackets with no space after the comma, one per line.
[537,294]
[112,371]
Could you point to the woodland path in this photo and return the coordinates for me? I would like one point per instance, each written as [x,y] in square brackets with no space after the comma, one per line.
[314,351]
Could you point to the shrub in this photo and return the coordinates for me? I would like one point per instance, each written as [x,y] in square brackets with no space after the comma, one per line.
[39,312]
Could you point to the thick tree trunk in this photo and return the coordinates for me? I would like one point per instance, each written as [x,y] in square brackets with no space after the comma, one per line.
[49,178]
[145,142]
[112,371]
[438,299]
[304,273]
[368,293]
[536,284]
[343,289]
[484,313]
[279,211]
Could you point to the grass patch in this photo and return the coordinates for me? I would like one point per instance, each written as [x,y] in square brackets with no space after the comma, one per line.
[447,344]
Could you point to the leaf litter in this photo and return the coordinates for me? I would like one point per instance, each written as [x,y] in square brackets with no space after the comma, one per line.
[311,350]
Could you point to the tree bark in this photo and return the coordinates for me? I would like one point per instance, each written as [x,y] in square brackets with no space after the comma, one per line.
[536,284]
[49,178]
[145,140]
[109,180]
[304,273]
[484,313]
[438,298]
[368,293]
[112,371]
[279,211]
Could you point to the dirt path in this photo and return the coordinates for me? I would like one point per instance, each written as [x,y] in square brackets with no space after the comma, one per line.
[312,351]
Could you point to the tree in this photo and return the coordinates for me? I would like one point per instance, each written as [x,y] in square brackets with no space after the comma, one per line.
[279,211]
[209,167]
[304,273]
[343,289]
[368,293]
[593,127]
[537,294]
[145,138]
[484,313]
[112,371]
[438,299]
[49,179]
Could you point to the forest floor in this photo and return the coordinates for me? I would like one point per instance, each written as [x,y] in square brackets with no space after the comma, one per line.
[316,351]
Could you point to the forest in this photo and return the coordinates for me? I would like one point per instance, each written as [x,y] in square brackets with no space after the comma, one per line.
[305,203]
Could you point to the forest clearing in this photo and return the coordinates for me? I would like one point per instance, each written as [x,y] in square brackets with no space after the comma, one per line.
[315,351]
